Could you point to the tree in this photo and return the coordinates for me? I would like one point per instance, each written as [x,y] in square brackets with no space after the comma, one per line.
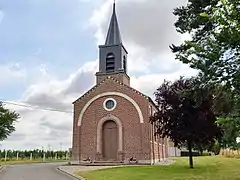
[7,122]
[227,109]
[186,114]
[214,48]
[231,127]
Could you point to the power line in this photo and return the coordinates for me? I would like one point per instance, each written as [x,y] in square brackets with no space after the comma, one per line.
[34,107]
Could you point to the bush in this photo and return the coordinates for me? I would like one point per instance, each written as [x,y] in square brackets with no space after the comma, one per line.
[230,153]
[206,154]
[186,153]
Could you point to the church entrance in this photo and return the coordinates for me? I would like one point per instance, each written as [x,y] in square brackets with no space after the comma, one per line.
[110,141]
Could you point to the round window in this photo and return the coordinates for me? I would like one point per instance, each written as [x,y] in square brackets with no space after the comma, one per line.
[109,104]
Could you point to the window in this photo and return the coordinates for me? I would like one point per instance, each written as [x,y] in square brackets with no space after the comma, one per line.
[110,62]
[109,104]
[124,64]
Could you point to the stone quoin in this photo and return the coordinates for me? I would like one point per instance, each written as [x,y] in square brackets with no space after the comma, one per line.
[111,120]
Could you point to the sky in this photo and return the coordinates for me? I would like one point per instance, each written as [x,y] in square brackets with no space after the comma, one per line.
[49,57]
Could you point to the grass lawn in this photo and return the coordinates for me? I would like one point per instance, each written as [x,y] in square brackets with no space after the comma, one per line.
[205,168]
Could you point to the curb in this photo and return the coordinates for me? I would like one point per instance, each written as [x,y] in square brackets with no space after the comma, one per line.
[69,174]
[1,167]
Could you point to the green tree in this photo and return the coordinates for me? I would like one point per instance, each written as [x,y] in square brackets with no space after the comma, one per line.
[231,127]
[8,119]
[186,114]
[227,107]
[214,48]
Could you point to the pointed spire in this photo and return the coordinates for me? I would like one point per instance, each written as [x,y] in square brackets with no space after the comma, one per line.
[113,35]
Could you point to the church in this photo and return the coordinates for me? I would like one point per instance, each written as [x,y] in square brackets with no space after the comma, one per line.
[111,120]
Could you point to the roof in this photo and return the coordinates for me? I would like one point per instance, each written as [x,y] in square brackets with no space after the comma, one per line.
[129,87]
[113,35]
[152,102]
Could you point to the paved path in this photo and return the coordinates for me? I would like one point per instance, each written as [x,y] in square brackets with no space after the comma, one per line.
[74,169]
[33,172]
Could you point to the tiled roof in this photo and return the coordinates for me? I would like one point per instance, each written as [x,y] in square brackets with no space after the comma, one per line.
[108,78]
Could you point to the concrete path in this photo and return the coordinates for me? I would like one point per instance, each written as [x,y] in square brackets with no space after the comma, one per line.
[34,172]
[75,169]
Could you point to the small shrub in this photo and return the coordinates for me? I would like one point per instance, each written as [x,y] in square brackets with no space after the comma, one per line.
[230,153]
[186,153]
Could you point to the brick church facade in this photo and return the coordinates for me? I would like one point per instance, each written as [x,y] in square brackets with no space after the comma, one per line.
[111,120]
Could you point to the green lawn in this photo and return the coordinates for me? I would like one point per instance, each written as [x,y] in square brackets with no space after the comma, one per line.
[205,168]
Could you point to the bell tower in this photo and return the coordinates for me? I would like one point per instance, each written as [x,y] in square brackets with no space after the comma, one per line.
[113,55]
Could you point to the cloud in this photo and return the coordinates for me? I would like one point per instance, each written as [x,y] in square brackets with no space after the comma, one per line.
[83,79]
[149,24]
[16,136]
[10,73]
[49,127]
[40,128]
[147,30]
[59,94]
[52,126]
[150,82]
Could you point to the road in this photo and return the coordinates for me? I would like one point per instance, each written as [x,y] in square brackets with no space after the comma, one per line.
[33,172]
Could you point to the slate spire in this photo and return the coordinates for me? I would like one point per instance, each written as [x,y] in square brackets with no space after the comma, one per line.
[113,35]
[113,54]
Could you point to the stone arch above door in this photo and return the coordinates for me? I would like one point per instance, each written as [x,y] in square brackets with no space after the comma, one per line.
[132,101]
[99,132]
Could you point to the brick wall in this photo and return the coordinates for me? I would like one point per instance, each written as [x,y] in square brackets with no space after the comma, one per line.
[120,76]
[136,136]
[159,146]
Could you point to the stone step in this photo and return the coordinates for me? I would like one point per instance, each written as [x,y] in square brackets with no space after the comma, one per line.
[106,163]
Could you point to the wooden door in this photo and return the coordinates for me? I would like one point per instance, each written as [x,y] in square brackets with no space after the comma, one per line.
[110,141]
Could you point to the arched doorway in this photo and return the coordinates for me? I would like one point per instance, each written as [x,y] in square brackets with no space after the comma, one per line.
[109,140]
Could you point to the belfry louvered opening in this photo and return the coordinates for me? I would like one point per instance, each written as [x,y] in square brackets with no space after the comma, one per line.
[110,62]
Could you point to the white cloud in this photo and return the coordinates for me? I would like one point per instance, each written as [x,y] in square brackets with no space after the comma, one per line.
[37,128]
[11,73]
[147,30]
[149,83]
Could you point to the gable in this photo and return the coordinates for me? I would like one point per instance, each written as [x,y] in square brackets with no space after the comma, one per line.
[112,82]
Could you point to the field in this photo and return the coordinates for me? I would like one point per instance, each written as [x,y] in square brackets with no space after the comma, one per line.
[28,161]
[205,168]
